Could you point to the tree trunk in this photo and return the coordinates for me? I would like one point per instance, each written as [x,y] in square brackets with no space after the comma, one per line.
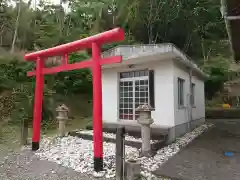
[24,135]
[16,27]
[1,131]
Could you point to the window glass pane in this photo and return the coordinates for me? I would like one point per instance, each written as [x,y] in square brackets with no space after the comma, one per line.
[193,94]
[123,75]
[142,100]
[125,89]
[130,105]
[142,94]
[143,88]
[130,94]
[180,92]
[137,82]
[130,111]
[131,74]
[137,100]
[137,74]
[121,90]
[142,73]
[146,73]
[136,106]
[134,74]
[125,83]
[130,117]
[137,94]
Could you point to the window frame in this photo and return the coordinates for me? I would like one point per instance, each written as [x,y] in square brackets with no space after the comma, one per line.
[151,87]
[193,88]
[135,75]
[180,91]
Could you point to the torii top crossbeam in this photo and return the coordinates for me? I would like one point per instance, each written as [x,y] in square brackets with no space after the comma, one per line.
[116,34]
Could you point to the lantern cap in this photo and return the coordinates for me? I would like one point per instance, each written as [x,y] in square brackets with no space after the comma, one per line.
[145,107]
[62,107]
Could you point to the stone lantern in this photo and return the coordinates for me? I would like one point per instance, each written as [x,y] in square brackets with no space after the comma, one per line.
[62,117]
[145,120]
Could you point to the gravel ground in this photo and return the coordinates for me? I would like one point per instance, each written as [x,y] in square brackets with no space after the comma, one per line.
[71,158]
[204,159]
[27,166]
[77,153]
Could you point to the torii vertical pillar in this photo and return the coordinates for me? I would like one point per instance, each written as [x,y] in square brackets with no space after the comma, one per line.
[97,108]
[38,99]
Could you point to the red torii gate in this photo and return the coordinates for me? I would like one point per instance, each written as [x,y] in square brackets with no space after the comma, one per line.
[95,42]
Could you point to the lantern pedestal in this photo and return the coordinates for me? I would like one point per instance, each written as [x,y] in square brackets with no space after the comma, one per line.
[145,120]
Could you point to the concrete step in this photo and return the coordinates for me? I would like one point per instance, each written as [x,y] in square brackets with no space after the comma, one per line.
[135,130]
[129,140]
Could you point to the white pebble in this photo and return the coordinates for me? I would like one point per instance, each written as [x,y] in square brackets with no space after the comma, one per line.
[77,153]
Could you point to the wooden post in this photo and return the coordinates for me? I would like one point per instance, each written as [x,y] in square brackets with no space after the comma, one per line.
[120,153]
[24,135]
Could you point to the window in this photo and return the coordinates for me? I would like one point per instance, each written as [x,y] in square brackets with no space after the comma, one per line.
[135,88]
[193,94]
[180,92]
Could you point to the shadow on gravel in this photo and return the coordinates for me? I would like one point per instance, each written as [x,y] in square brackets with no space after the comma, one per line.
[204,159]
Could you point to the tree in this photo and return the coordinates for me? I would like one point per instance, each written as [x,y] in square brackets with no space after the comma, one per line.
[217,71]
[16,26]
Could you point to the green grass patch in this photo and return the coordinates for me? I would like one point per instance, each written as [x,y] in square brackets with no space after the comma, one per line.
[10,139]
[76,123]
[11,134]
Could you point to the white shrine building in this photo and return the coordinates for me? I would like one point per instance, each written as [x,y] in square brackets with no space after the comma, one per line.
[160,75]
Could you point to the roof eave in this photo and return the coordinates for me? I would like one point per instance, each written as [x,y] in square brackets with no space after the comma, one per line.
[168,48]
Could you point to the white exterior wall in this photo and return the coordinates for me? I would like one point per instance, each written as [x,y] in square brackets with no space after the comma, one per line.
[198,112]
[164,89]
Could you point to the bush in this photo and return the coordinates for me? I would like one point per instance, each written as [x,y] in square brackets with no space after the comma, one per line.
[24,99]
[222,113]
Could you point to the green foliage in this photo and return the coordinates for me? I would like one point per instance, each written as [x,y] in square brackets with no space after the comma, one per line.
[74,82]
[14,77]
[24,99]
[196,27]
[188,24]
[217,69]
[221,113]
